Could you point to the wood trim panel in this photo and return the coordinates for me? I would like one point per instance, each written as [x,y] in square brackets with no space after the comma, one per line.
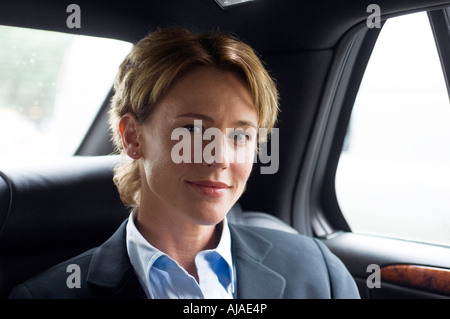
[419,277]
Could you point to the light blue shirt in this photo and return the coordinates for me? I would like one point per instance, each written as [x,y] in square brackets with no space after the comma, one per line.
[162,277]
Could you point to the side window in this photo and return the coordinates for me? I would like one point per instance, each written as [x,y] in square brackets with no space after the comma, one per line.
[51,88]
[393,177]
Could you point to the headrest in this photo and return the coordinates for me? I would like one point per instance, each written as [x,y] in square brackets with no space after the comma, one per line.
[72,196]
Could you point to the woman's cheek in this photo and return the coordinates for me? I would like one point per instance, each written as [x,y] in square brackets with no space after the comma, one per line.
[242,172]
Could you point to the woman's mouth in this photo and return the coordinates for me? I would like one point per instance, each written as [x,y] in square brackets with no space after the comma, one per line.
[209,188]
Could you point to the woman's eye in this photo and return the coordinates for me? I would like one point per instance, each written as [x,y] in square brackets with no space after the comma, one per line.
[241,137]
[193,129]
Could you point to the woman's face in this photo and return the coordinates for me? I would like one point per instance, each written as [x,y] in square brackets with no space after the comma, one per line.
[200,190]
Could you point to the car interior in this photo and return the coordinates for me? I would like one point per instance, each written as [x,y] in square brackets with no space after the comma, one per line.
[318,52]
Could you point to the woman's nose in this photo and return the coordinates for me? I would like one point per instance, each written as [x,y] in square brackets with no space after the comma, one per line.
[216,152]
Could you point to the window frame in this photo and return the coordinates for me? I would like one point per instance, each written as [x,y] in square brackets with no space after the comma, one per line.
[96,142]
[440,24]
[317,212]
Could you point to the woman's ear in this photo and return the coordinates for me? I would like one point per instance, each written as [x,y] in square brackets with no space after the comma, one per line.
[129,129]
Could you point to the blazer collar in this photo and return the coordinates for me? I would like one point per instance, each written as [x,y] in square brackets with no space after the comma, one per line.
[111,271]
[254,278]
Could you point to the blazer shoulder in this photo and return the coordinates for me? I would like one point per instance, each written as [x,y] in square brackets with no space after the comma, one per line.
[274,237]
[58,281]
[99,273]
[270,244]
[301,260]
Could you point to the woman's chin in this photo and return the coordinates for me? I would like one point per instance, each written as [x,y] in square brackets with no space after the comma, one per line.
[209,215]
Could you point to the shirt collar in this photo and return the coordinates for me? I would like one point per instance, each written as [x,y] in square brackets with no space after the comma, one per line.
[142,254]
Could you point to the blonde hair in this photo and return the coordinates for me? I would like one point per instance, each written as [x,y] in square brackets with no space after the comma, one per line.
[152,66]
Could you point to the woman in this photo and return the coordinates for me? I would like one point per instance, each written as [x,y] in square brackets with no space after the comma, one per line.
[186,107]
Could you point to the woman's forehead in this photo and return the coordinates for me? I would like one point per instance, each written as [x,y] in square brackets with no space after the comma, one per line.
[208,93]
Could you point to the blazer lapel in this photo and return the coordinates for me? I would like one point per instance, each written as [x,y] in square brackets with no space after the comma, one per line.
[254,279]
[110,270]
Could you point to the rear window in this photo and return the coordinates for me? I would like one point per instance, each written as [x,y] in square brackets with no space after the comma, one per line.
[51,88]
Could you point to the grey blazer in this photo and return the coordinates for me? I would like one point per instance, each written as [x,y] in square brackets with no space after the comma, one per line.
[270,264]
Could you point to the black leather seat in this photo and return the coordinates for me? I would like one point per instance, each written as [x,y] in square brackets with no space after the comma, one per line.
[53,212]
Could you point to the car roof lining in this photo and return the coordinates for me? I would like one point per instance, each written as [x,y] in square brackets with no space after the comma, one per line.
[265,24]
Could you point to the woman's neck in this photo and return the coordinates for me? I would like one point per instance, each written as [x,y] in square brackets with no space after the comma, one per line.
[179,238]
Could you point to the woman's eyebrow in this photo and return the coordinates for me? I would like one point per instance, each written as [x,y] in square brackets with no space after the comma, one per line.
[196,116]
[245,123]
[209,119]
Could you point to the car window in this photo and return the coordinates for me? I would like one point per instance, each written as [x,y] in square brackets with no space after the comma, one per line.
[51,87]
[393,176]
